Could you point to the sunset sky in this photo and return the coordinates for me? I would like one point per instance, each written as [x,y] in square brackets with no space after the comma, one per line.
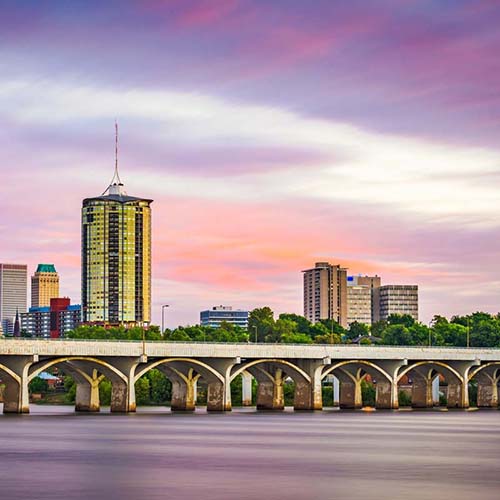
[271,134]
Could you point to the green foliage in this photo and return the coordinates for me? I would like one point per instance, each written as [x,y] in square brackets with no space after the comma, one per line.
[368,393]
[404,398]
[105,392]
[260,321]
[236,391]
[289,393]
[357,330]
[142,391]
[482,330]
[38,386]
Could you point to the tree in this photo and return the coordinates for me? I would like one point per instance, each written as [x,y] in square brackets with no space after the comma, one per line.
[296,338]
[142,395]
[303,324]
[261,319]
[38,385]
[401,319]
[357,329]
[282,328]
[397,335]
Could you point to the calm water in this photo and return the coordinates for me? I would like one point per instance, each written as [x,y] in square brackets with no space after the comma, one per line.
[54,453]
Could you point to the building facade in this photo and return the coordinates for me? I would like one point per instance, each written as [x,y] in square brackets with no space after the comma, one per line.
[398,299]
[44,285]
[13,294]
[359,304]
[52,321]
[218,314]
[373,283]
[325,293]
[116,258]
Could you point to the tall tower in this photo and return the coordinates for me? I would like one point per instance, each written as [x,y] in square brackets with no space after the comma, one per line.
[116,256]
[13,294]
[44,285]
[325,293]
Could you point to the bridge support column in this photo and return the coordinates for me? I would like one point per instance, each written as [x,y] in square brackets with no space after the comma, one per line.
[455,395]
[246,389]
[16,380]
[215,396]
[487,390]
[87,393]
[421,391]
[270,395]
[182,395]
[16,396]
[309,395]
[350,391]
[386,397]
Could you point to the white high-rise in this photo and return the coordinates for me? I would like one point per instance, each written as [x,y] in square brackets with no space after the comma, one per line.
[13,294]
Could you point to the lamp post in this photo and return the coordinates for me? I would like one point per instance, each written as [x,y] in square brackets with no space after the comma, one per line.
[162,320]
[468,332]
[430,332]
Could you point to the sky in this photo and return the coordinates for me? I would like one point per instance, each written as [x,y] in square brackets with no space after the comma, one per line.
[270,134]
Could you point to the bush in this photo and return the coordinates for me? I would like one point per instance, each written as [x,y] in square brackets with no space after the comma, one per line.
[38,385]
[368,393]
[404,398]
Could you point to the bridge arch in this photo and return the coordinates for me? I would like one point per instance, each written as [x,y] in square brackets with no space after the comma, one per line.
[493,364]
[41,366]
[372,367]
[293,371]
[206,370]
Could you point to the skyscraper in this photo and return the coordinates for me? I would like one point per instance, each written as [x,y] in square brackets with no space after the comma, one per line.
[44,285]
[13,294]
[116,256]
[325,293]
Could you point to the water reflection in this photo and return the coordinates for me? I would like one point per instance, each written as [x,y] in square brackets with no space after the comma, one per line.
[54,453]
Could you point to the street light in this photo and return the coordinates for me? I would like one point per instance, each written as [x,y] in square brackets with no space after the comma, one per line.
[430,332]
[162,320]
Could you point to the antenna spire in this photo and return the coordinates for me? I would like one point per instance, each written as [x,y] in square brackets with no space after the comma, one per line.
[116,185]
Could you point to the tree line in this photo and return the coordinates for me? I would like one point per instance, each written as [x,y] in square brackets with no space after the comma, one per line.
[475,330]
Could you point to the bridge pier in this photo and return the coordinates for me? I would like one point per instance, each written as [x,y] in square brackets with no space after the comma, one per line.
[270,393]
[385,399]
[16,380]
[487,390]
[246,389]
[350,391]
[87,393]
[421,390]
[215,396]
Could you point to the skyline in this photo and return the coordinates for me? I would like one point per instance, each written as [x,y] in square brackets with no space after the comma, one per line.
[374,145]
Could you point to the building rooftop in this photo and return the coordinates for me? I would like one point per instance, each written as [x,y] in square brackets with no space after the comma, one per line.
[46,268]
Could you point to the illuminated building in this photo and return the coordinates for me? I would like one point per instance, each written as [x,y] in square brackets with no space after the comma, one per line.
[116,257]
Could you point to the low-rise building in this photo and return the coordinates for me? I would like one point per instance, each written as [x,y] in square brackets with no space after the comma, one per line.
[398,299]
[218,314]
[51,321]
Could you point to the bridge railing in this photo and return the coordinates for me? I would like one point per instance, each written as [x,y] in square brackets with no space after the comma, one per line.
[140,341]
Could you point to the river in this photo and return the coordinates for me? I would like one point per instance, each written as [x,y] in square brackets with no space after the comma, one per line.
[54,453]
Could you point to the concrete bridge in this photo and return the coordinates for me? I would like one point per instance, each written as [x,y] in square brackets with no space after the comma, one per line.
[123,363]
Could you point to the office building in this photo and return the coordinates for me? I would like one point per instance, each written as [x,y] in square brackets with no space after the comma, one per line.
[44,285]
[373,283]
[325,293]
[13,294]
[359,304]
[116,257]
[398,299]
[218,314]
[52,321]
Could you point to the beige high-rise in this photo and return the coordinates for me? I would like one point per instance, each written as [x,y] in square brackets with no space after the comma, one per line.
[325,293]
[44,285]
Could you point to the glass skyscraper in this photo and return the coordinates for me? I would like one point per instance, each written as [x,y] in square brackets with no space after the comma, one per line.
[116,257]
